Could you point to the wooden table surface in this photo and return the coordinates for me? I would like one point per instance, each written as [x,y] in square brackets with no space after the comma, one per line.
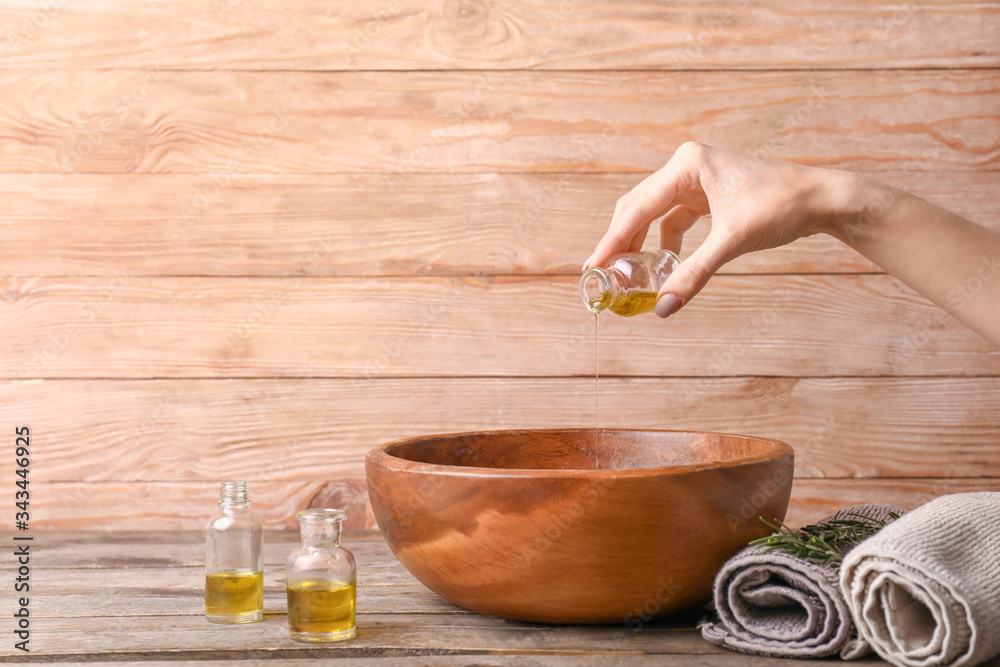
[137,597]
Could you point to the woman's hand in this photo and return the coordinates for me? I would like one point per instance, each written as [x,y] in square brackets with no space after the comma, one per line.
[754,203]
[757,204]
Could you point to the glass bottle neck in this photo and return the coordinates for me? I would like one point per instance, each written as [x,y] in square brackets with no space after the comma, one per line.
[596,289]
[320,528]
[234,496]
[318,537]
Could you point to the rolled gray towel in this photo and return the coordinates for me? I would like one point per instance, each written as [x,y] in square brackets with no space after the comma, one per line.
[780,605]
[926,590]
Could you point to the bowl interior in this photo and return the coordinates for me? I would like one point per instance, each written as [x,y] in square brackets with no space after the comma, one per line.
[584,449]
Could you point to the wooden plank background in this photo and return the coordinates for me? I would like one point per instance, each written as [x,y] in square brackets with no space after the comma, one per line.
[248,242]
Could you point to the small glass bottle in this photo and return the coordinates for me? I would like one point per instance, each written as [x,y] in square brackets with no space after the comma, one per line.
[321,580]
[234,568]
[627,284]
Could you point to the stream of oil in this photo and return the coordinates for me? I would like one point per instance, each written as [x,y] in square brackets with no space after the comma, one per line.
[597,387]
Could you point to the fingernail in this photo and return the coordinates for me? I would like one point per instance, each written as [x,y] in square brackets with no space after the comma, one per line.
[586,264]
[667,305]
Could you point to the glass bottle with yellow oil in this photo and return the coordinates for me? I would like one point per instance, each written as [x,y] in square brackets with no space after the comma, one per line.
[627,284]
[234,568]
[321,579]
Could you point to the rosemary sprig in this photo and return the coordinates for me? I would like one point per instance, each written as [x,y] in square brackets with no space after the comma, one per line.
[823,543]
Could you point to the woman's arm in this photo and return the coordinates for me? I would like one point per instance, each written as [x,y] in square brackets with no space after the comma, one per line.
[757,204]
[953,262]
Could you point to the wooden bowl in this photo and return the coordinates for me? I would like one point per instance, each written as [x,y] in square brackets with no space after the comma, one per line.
[575,526]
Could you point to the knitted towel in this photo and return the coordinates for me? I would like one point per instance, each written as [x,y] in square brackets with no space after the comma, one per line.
[926,590]
[781,605]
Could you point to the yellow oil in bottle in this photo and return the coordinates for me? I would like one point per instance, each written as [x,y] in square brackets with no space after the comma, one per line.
[321,610]
[234,596]
[632,303]
[626,305]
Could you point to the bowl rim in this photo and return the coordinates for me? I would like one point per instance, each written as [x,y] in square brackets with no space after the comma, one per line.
[380,457]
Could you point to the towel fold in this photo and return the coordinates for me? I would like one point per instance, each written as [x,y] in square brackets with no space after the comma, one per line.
[780,605]
[926,589]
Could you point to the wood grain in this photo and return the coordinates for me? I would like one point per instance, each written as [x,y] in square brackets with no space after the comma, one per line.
[403,122]
[411,633]
[185,593]
[363,225]
[187,505]
[584,34]
[248,197]
[811,325]
[295,430]
[450,659]
[113,596]
[98,550]
[140,614]
[485,541]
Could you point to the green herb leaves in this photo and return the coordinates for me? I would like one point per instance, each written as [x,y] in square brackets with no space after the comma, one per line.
[823,543]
